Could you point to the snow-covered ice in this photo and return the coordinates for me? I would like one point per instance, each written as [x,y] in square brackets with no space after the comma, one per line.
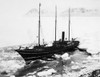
[66,65]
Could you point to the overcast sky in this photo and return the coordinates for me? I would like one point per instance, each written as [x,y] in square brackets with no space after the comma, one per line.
[16,27]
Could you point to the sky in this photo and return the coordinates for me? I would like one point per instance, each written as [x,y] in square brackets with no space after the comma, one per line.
[19,26]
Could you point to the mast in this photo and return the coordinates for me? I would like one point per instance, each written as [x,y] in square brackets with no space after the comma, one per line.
[69,26]
[55,22]
[39,26]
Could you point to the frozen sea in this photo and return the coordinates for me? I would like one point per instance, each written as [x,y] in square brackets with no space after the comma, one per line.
[77,65]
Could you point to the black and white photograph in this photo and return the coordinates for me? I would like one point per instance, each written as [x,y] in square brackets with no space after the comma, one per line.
[49,38]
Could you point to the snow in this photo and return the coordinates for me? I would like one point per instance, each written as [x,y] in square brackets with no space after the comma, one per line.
[46,73]
[65,56]
[12,76]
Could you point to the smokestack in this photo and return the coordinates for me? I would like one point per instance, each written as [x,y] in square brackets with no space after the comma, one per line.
[63,35]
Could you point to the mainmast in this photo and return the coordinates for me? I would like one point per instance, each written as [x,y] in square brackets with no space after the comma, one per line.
[55,22]
[39,26]
[69,26]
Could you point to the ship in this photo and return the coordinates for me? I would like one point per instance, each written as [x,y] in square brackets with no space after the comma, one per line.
[45,52]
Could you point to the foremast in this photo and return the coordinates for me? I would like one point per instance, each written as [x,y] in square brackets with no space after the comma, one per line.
[69,25]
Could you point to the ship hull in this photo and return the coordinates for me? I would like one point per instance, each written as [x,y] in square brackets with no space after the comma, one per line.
[46,53]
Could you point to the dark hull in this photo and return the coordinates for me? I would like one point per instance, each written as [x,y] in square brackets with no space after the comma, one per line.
[46,53]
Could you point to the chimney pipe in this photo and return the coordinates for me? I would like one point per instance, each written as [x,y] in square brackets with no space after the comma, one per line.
[63,35]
